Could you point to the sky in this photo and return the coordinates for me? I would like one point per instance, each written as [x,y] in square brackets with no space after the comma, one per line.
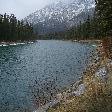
[22,8]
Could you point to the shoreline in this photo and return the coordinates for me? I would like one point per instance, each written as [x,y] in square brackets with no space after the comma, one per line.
[68,91]
[97,70]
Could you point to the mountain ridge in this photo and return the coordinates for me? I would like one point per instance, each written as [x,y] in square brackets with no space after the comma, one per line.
[60,15]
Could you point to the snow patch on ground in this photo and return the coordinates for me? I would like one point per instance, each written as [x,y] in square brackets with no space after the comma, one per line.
[80,90]
[14,44]
[102,74]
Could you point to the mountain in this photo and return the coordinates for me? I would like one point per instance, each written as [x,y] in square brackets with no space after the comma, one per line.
[61,15]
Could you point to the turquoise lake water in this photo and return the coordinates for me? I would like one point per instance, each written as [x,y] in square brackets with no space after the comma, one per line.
[32,72]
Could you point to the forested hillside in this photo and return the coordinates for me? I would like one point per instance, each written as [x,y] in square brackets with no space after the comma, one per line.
[12,29]
[96,27]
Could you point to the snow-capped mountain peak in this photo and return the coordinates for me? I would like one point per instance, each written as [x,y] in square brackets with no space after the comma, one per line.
[59,13]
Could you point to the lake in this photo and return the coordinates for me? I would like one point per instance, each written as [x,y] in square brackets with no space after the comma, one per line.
[30,74]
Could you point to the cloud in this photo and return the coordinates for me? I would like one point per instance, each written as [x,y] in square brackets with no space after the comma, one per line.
[22,8]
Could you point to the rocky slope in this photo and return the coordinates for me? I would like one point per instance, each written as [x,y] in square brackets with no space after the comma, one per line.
[61,15]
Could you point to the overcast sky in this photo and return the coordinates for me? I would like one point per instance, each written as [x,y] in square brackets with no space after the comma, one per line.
[22,8]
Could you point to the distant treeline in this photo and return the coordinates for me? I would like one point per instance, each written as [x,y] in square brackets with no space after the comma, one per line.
[85,30]
[98,27]
[12,29]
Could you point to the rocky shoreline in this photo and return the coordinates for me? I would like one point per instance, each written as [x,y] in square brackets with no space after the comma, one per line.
[78,88]
[97,74]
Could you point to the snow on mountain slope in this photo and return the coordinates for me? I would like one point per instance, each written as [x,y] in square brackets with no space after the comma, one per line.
[58,15]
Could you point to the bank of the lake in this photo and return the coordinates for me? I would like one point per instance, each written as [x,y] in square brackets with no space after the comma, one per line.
[93,92]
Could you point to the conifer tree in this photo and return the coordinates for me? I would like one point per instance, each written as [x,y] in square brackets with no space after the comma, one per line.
[104,15]
[12,29]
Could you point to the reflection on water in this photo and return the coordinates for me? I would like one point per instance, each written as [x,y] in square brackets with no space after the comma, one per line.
[31,74]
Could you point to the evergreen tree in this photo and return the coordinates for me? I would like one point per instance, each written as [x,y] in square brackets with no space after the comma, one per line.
[1,25]
[12,29]
[104,15]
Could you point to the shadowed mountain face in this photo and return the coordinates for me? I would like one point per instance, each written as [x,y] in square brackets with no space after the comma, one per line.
[61,15]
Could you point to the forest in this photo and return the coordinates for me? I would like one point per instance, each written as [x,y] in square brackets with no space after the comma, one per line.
[12,29]
[96,27]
